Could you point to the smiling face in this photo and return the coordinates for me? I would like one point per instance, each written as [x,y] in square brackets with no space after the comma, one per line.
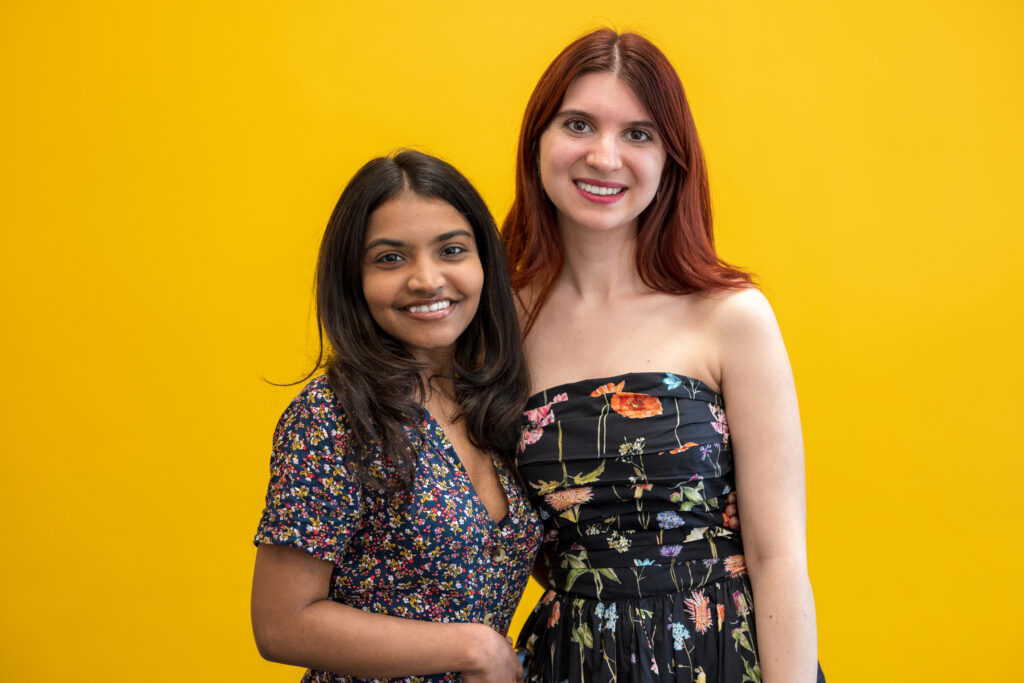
[601,157]
[422,276]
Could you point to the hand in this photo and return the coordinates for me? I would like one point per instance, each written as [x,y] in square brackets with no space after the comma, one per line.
[496,659]
[732,513]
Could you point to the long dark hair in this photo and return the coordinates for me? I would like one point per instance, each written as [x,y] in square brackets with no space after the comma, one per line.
[675,243]
[376,381]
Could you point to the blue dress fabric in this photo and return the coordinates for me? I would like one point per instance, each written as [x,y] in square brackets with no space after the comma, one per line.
[433,553]
[630,475]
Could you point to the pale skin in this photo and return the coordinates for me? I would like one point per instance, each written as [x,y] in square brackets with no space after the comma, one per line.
[601,320]
[425,255]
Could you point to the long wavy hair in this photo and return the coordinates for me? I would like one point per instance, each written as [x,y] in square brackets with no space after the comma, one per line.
[377,382]
[675,241]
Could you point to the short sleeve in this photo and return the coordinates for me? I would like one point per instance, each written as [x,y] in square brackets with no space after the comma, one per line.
[313,501]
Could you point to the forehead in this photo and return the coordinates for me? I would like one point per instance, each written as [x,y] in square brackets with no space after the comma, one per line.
[604,94]
[413,218]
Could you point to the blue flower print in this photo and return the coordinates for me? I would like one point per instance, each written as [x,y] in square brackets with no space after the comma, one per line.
[679,632]
[669,520]
[671,381]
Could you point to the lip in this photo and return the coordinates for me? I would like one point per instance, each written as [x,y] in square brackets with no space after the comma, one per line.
[428,316]
[600,198]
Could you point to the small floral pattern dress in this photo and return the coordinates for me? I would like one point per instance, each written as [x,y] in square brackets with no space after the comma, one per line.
[630,475]
[433,553]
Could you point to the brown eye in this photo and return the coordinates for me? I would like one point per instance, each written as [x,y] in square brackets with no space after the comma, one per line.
[638,135]
[577,126]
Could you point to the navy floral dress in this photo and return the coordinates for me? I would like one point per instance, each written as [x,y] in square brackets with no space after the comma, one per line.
[647,583]
[432,554]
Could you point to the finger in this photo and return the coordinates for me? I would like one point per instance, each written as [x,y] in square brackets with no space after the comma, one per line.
[731,498]
[733,522]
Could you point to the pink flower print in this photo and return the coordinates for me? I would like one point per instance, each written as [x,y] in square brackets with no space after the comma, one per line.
[530,436]
[719,423]
[540,416]
[740,601]
[537,419]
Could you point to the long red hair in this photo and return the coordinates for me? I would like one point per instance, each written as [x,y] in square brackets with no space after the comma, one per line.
[675,241]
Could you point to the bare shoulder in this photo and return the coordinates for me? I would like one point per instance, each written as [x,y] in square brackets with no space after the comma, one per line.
[740,315]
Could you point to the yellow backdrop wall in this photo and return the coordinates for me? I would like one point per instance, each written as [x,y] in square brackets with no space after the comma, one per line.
[166,170]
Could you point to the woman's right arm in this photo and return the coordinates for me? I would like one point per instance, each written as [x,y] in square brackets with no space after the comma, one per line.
[295,622]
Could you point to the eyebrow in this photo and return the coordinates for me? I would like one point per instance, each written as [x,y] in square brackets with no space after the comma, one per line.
[443,237]
[586,115]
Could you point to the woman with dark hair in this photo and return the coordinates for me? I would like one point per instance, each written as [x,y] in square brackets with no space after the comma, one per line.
[639,340]
[395,541]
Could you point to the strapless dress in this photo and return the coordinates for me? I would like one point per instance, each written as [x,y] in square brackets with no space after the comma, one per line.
[630,476]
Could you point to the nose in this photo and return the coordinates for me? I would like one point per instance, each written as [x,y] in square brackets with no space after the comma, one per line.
[426,276]
[604,154]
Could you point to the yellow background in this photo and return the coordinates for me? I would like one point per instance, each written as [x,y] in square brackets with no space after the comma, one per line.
[166,171]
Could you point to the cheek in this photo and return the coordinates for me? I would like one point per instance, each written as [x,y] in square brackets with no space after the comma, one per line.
[475,282]
[471,284]
[549,160]
[658,167]
[375,295]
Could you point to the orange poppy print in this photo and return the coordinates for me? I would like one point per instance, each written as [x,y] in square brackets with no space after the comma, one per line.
[636,405]
[556,614]
[608,389]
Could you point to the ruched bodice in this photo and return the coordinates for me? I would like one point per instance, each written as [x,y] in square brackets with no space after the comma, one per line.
[630,475]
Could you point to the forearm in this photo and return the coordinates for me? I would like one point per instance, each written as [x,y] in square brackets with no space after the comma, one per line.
[787,639]
[334,637]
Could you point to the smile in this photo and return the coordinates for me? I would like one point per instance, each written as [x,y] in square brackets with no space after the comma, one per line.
[430,308]
[598,190]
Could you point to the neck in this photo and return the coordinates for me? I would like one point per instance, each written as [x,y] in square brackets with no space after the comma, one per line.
[440,398]
[437,368]
[600,265]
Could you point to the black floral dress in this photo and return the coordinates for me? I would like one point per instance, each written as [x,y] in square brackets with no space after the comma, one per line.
[433,553]
[630,476]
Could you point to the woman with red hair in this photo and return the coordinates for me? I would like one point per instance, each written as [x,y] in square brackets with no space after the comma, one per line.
[662,386]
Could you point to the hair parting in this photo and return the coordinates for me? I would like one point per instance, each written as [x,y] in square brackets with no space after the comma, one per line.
[376,381]
[675,241]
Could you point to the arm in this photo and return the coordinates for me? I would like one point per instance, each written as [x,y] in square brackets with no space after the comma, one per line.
[316,504]
[295,622]
[764,422]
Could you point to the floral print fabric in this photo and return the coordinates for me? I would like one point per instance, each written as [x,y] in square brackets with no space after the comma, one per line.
[432,554]
[647,583]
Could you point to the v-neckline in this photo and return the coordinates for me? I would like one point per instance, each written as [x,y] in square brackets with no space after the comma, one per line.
[442,437]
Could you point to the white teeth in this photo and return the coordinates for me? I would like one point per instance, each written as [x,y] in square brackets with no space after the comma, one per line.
[438,306]
[594,189]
